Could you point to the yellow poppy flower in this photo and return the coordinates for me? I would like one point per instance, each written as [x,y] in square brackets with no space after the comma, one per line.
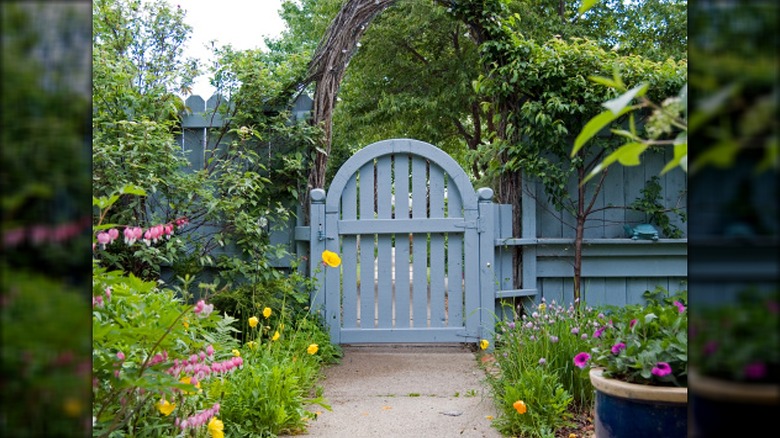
[216,428]
[188,380]
[251,345]
[519,406]
[165,407]
[276,336]
[313,348]
[185,323]
[267,312]
[484,344]
[236,353]
[331,259]
[253,321]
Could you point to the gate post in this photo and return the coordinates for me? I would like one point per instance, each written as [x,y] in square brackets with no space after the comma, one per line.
[487,277]
[316,247]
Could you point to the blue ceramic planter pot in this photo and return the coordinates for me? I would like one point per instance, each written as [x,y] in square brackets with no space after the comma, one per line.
[719,405]
[637,411]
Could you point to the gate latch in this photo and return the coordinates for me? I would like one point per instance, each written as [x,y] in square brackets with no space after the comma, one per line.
[466,224]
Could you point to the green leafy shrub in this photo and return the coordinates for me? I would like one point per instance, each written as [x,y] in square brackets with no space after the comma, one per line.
[645,343]
[271,394]
[534,405]
[738,342]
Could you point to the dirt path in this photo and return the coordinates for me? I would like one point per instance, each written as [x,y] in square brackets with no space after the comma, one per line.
[406,391]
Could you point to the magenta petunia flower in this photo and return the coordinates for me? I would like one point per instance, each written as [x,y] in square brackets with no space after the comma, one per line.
[755,370]
[631,324]
[680,306]
[617,348]
[581,360]
[597,333]
[661,369]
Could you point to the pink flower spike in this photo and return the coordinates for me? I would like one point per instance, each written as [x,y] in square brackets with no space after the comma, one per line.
[581,360]
[108,293]
[661,369]
[210,350]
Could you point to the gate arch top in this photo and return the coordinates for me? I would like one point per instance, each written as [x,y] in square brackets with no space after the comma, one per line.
[401,146]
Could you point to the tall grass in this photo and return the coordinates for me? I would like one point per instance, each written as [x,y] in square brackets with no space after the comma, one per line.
[537,348]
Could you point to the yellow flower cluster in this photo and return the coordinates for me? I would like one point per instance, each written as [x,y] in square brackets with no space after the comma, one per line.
[216,428]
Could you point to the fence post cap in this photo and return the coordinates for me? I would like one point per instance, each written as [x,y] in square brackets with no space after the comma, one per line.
[485,194]
[317,195]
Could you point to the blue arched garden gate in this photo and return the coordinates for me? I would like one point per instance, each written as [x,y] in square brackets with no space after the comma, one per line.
[416,243]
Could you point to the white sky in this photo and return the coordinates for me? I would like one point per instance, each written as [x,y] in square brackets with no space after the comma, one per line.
[240,23]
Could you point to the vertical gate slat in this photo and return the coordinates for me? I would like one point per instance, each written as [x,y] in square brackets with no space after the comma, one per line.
[349,251]
[384,245]
[402,288]
[419,245]
[454,262]
[438,315]
[366,196]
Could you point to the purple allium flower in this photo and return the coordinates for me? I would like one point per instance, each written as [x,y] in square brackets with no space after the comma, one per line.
[581,360]
[680,307]
[617,348]
[575,330]
[755,370]
[511,325]
[661,369]
[542,361]
[529,325]
[584,336]
[553,339]
[535,314]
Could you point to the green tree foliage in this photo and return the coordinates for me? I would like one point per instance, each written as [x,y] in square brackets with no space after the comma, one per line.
[249,177]
[44,135]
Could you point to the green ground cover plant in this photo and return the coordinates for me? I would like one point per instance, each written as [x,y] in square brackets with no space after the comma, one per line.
[540,381]
[167,363]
